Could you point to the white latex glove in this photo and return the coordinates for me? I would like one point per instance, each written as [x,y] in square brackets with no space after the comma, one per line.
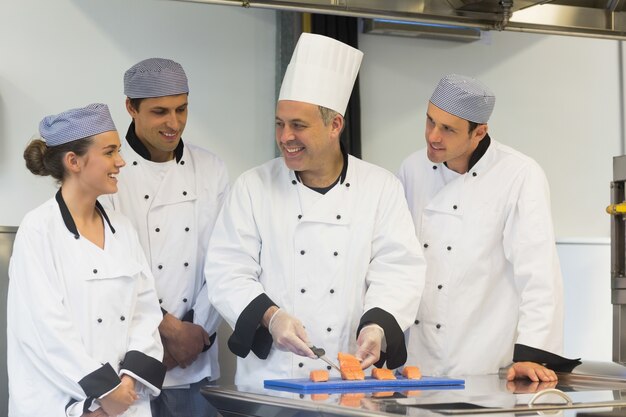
[289,334]
[369,343]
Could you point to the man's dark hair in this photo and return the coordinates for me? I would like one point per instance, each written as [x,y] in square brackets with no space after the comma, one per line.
[135,102]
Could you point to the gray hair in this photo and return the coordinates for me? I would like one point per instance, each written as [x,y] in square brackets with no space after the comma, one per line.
[327,115]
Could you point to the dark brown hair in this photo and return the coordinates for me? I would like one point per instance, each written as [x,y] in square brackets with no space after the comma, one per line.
[43,160]
[135,102]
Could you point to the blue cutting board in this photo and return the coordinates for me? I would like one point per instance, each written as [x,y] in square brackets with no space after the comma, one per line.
[306,385]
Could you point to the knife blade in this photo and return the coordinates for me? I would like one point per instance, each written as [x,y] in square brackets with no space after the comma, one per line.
[321,354]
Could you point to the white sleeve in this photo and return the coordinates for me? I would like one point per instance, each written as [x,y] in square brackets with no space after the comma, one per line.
[232,266]
[396,274]
[529,245]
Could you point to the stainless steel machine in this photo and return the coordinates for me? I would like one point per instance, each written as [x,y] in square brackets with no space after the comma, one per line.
[618,257]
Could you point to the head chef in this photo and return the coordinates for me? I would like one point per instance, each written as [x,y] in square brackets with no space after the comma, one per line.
[311,105]
[315,248]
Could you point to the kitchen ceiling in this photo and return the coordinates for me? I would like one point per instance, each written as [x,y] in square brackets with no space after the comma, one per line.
[592,18]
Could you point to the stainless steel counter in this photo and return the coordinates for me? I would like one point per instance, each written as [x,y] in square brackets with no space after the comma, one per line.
[483,395]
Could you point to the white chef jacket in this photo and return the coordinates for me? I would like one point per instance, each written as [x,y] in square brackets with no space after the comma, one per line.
[493,278]
[78,316]
[173,206]
[324,258]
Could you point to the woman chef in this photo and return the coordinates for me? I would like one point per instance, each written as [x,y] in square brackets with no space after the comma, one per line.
[82,310]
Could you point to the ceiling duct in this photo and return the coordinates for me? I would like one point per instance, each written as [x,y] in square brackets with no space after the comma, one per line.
[460,18]
[421,30]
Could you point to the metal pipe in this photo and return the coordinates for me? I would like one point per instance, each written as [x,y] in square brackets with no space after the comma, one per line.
[345,12]
[622,93]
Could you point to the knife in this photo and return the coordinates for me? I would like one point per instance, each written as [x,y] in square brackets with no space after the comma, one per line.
[321,354]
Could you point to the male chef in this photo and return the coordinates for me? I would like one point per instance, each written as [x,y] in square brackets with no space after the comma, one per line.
[172,191]
[316,247]
[493,294]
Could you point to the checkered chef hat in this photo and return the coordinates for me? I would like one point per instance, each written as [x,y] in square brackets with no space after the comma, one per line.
[75,124]
[155,77]
[464,97]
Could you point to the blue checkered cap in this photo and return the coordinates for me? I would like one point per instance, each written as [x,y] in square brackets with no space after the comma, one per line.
[155,77]
[75,124]
[464,97]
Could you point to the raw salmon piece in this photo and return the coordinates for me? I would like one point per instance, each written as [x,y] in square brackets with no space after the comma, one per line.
[320,397]
[346,358]
[319,375]
[412,372]
[350,367]
[352,375]
[382,373]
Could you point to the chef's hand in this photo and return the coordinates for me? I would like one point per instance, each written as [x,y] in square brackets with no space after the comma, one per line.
[117,401]
[98,413]
[289,334]
[531,370]
[369,344]
[168,359]
[183,340]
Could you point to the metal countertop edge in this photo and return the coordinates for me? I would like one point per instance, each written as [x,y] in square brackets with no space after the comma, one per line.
[291,403]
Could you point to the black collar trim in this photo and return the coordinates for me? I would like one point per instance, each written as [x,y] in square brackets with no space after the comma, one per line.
[67,216]
[480,150]
[140,148]
[340,179]
[478,153]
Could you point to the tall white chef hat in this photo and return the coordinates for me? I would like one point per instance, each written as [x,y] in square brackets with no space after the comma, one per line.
[322,71]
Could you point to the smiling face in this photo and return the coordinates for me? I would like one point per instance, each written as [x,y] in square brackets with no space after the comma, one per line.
[448,138]
[159,124]
[307,144]
[101,164]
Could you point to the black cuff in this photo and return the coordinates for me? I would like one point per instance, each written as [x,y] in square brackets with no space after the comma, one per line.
[248,334]
[211,341]
[396,349]
[523,353]
[146,367]
[189,318]
[86,404]
[100,381]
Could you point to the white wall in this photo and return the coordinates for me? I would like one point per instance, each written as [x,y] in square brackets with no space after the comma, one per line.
[557,100]
[60,54]
[586,268]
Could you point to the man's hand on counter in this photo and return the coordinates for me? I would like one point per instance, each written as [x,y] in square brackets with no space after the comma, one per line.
[531,370]
[182,340]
